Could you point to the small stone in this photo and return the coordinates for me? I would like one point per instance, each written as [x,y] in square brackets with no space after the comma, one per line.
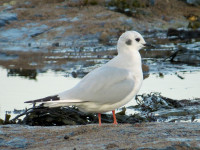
[55,44]
[74,74]
[66,137]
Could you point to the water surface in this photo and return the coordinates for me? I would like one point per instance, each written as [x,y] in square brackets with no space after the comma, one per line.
[14,90]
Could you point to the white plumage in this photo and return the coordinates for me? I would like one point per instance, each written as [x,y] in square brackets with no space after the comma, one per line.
[110,86]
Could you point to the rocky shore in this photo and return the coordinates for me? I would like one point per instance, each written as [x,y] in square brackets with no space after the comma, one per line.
[78,35]
[144,136]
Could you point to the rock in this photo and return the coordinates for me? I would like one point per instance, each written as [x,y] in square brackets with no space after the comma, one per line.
[56,44]
[154,101]
[66,137]
[181,146]
[152,2]
[154,106]
[141,136]
[188,55]
[182,34]
[193,2]
[7,18]
[27,73]
[17,142]
[194,25]
[112,146]
[2,23]
[2,142]
[104,38]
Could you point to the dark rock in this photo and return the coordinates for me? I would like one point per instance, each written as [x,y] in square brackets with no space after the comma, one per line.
[56,44]
[154,101]
[182,34]
[74,74]
[187,55]
[66,137]
[28,73]
[1,121]
[7,118]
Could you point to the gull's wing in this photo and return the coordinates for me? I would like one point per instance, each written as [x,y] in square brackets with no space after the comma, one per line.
[102,85]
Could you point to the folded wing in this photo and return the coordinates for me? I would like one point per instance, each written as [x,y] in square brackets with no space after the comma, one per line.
[103,85]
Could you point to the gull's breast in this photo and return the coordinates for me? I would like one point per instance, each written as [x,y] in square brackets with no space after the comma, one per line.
[101,108]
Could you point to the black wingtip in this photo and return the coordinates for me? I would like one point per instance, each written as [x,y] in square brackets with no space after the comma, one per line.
[29,102]
[46,99]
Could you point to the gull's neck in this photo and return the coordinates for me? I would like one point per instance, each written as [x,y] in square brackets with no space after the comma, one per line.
[131,59]
[128,59]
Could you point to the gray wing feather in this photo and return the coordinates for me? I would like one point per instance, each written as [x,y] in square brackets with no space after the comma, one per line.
[103,85]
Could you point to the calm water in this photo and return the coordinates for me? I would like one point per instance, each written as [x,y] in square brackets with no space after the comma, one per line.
[14,90]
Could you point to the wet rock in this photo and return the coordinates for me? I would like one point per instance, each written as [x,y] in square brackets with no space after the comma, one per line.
[16,34]
[2,23]
[127,6]
[6,18]
[28,73]
[56,44]
[188,55]
[182,34]
[2,142]
[17,142]
[154,106]
[154,101]
[4,56]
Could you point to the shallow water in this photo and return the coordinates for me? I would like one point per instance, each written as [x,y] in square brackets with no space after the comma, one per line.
[51,69]
[14,90]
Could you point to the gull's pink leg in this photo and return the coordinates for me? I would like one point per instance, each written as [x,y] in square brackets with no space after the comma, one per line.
[99,116]
[114,117]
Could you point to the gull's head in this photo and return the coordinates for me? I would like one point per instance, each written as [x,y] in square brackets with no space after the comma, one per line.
[130,41]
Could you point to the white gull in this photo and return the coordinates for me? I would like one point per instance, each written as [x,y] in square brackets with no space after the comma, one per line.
[110,86]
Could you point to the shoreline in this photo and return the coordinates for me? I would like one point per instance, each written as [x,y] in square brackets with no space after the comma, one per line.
[138,136]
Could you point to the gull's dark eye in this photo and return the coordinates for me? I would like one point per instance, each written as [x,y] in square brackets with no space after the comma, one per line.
[137,39]
[129,42]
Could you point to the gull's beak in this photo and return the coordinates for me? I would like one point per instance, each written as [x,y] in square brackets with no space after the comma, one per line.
[148,45]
